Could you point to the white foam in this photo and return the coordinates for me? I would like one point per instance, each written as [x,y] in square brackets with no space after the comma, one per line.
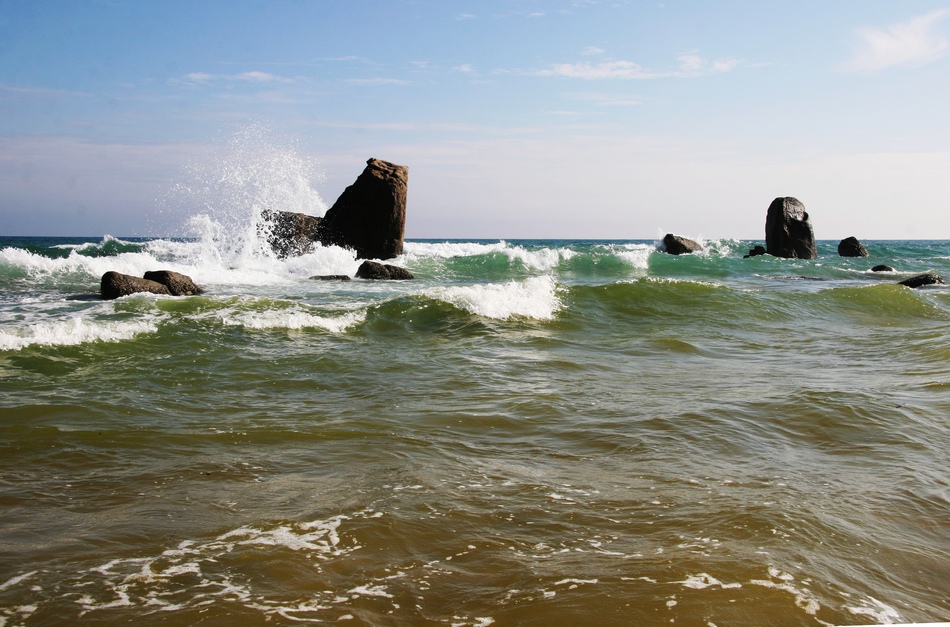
[535,298]
[881,613]
[72,332]
[293,319]
[637,255]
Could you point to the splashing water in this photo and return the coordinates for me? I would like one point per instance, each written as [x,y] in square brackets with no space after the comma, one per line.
[249,173]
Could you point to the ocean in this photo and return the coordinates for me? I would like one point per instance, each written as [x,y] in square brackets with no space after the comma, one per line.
[531,432]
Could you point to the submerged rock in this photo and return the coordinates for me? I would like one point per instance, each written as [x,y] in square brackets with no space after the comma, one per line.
[330,277]
[379,271]
[177,284]
[676,245]
[788,231]
[114,285]
[851,247]
[927,278]
[882,268]
[756,251]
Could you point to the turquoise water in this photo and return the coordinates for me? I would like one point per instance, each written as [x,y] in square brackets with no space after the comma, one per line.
[530,432]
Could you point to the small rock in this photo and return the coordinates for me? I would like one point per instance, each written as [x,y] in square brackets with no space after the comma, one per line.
[755,252]
[330,277]
[882,268]
[114,285]
[379,271]
[851,247]
[927,278]
[676,245]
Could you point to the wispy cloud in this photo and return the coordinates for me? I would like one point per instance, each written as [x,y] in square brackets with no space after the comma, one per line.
[203,78]
[376,81]
[690,65]
[911,43]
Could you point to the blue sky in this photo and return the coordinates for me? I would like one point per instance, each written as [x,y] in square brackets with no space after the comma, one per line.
[517,118]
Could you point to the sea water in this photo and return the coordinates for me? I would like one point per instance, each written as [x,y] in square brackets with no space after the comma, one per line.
[527,433]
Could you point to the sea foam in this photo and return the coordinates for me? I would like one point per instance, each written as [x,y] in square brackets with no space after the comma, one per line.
[535,298]
[72,332]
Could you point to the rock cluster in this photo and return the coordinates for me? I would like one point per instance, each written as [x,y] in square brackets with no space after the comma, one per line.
[114,284]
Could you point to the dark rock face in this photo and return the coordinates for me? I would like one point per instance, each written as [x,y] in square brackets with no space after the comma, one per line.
[927,278]
[113,285]
[177,284]
[373,270]
[676,245]
[851,247]
[788,231]
[755,252]
[370,215]
[290,233]
[882,268]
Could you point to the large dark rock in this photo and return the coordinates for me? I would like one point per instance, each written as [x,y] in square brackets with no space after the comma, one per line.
[289,233]
[370,215]
[851,247]
[113,285]
[676,245]
[379,271]
[788,231]
[927,278]
[177,284]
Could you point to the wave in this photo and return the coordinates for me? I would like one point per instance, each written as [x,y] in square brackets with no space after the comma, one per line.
[73,332]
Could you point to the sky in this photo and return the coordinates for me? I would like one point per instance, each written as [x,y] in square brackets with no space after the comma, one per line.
[614,119]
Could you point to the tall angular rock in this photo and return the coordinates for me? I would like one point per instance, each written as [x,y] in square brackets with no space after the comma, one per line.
[370,215]
[788,231]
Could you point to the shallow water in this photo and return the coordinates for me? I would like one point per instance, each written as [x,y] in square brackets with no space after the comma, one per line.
[531,432]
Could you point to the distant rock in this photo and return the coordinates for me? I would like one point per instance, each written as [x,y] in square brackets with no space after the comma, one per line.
[676,245]
[379,271]
[755,252]
[288,233]
[788,231]
[370,215]
[330,277]
[882,268]
[927,278]
[177,284]
[851,247]
[114,285]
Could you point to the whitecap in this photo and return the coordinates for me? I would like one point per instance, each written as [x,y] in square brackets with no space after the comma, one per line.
[72,332]
[535,298]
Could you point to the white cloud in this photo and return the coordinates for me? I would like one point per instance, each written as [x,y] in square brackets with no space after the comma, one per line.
[593,51]
[465,68]
[914,42]
[690,65]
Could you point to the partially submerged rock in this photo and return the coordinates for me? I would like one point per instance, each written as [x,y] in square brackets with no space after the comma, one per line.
[788,231]
[379,271]
[330,277]
[677,245]
[927,278]
[756,251]
[851,247]
[290,233]
[882,268]
[115,284]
